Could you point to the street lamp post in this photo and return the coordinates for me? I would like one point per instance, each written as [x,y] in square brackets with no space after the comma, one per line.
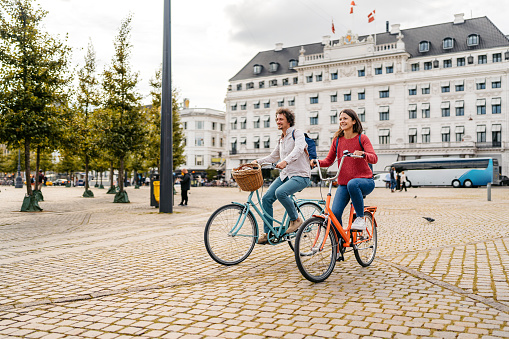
[19,181]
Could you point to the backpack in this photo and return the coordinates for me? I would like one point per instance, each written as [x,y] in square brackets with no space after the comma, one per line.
[360,143]
[311,150]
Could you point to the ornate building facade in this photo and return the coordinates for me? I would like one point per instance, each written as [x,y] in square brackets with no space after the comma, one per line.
[433,91]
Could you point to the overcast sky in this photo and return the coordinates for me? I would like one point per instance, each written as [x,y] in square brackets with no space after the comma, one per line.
[213,39]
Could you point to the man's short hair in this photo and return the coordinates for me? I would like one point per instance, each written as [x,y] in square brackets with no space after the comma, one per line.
[290,116]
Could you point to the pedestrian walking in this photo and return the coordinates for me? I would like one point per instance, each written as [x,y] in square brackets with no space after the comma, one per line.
[185,186]
[402,181]
[393,179]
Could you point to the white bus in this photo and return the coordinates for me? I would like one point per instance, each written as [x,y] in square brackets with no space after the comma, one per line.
[457,172]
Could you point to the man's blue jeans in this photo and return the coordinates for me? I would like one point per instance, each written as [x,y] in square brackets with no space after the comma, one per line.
[354,190]
[393,184]
[281,190]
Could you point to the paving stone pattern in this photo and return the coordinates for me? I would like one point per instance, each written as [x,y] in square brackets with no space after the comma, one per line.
[88,268]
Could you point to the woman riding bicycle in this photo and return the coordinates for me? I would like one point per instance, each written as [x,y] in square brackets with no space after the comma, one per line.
[356,177]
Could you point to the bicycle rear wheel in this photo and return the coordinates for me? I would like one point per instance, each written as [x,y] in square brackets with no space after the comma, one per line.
[305,211]
[366,248]
[223,246]
[314,262]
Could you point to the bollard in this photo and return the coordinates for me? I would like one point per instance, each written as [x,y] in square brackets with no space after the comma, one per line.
[489,191]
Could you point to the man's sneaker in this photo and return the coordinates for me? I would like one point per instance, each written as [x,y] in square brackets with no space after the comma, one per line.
[359,224]
[294,225]
[262,240]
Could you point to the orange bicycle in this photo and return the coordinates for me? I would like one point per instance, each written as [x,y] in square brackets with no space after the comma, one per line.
[321,240]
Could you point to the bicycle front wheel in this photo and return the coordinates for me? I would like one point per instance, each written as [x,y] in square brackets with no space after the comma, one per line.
[315,254]
[366,242]
[227,243]
[305,211]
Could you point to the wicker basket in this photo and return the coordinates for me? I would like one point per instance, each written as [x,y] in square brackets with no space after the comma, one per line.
[248,177]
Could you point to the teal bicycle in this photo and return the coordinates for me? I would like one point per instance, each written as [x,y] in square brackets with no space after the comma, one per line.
[232,230]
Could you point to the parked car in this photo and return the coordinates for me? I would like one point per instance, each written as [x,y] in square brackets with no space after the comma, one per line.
[381,179]
[60,182]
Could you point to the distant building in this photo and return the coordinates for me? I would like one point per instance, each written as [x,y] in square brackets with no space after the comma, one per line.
[205,140]
[432,91]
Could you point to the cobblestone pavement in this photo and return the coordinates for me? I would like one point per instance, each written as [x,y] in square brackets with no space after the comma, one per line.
[88,268]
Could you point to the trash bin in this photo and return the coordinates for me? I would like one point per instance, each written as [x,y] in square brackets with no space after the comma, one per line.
[156,190]
[153,179]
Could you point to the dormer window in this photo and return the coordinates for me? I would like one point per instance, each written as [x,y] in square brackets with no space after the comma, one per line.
[424,46]
[293,63]
[273,66]
[257,69]
[473,40]
[448,43]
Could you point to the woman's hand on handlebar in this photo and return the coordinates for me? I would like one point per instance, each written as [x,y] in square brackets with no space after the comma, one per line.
[359,153]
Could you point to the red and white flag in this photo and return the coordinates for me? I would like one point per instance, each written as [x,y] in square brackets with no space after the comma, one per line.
[371,16]
[333,29]
[351,8]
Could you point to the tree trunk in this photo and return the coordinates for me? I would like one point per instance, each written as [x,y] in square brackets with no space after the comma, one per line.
[37,164]
[121,176]
[111,173]
[27,166]
[86,173]
[135,181]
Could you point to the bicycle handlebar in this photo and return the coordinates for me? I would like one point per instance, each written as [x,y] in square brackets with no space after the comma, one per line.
[346,153]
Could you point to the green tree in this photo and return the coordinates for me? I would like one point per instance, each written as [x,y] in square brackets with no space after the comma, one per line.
[33,79]
[154,125]
[123,125]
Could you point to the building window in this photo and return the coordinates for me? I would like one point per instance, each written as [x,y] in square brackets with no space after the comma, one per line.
[460,88]
[256,105]
[334,76]
[447,63]
[286,82]
[425,90]
[481,133]
[295,80]
[384,94]
[481,84]
[256,143]
[214,126]
[424,46]
[482,59]
[243,123]
[446,89]
[234,147]
[281,103]
[243,106]
[384,137]
[273,83]
[425,111]
[233,123]
[185,124]
[460,109]
[361,114]
[425,135]
[266,142]
[221,127]
[446,136]
[243,141]
[361,95]
[473,40]
[496,135]
[239,87]
[313,118]
[428,65]
[266,121]
[318,77]
[291,102]
[497,57]
[313,100]
[347,96]
[198,141]
[412,91]
[496,84]
[213,141]
[293,63]
[460,132]
[446,109]
[460,62]
[448,43]
[496,106]
[257,69]
[261,84]
[234,107]
[481,106]
[384,113]
[198,160]
[333,117]
[361,72]
[273,67]
[266,104]
[378,70]
[412,113]
[415,67]
[412,139]
[256,122]
[309,78]
[389,69]
[334,98]
[250,85]
[199,124]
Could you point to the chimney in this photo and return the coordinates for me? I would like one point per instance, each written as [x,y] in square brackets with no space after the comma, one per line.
[279,47]
[395,29]
[387,26]
[326,40]
[186,103]
[458,18]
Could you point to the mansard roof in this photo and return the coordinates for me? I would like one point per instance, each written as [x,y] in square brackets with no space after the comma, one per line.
[490,37]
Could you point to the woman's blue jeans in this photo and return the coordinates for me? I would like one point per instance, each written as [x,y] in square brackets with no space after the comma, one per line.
[281,190]
[354,190]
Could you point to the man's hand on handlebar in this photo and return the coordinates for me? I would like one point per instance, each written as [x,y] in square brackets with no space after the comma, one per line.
[313,163]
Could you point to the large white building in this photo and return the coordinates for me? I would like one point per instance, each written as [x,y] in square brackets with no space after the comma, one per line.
[433,91]
[205,140]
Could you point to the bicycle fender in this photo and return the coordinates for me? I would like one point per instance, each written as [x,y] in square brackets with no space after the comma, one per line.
[250,212]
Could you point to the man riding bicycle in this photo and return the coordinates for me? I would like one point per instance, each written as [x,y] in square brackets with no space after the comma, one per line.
[290,153]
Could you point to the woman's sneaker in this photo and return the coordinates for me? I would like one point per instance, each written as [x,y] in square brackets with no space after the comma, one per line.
[359,224]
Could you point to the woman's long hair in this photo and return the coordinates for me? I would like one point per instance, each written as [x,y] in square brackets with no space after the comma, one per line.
[357,127]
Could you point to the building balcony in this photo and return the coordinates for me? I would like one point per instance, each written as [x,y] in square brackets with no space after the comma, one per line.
[491,144]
